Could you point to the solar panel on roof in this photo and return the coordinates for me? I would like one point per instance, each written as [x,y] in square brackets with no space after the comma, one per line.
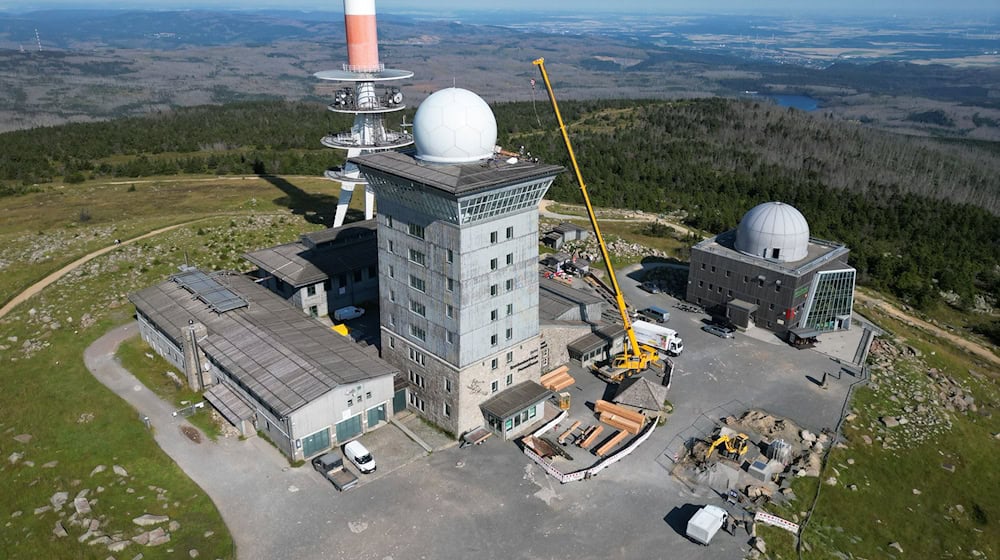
[209,291]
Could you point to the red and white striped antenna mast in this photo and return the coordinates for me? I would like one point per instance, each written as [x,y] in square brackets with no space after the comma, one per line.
[368,95]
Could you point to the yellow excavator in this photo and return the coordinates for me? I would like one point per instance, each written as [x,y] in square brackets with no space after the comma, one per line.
[636,357]
[735,446]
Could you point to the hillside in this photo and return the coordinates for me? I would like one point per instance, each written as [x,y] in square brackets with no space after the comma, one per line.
[920,215]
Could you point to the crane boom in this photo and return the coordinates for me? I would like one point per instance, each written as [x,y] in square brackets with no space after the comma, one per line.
[635,357]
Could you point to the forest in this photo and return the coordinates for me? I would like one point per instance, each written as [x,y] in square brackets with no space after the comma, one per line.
[919,214]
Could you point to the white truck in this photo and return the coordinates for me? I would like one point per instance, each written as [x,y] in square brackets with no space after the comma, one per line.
[662,338]
[705,523]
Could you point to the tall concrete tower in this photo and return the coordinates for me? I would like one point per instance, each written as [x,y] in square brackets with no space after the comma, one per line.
[368,97]
[458,266]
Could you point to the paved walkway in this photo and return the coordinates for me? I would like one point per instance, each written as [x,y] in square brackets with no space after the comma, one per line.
[269,507]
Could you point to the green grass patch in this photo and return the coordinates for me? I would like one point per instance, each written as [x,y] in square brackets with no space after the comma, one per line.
[149,368]
[904,490]
[75,422]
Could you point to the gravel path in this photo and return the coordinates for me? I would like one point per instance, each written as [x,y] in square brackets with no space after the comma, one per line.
[52,278]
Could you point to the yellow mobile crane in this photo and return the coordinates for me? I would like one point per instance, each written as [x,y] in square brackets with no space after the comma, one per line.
[636,357]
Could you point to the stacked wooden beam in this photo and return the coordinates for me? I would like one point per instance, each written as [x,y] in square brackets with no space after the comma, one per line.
[565,435]
[591,435]
[611,443]
[557,379]
[620,417]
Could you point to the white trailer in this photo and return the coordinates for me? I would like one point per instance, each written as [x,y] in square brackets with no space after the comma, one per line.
[661,338]
[706,523]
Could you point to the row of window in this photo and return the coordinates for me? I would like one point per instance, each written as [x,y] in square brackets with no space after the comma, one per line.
[746,279]
[358,276]
[417,231]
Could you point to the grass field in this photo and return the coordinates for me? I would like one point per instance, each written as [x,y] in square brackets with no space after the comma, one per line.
[933,490]
[75,423]
[151,369]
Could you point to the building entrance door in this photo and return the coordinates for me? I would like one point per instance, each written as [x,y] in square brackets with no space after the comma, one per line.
[376,414]
[349,428]
[399,401]
[314,443]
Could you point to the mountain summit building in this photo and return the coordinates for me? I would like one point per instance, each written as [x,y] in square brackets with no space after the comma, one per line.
[770,273]
[458,268]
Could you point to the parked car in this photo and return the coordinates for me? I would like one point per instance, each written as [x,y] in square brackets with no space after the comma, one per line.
[650,287]
[360,456]
[348,313]
[723,332]
[654,313]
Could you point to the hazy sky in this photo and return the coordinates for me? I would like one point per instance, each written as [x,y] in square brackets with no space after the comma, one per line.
[901,7]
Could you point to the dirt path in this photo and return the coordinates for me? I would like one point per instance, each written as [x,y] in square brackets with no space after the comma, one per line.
[969,345]
[543,210]
[51,278]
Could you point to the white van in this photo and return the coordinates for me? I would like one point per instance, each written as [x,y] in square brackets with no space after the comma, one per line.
[359,455]
[706,523]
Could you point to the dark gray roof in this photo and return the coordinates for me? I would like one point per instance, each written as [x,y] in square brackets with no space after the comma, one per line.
[515,399]
[555,299]
[298,265]
[641,393]
[566,227]
[601,337]
[228,403]
[346,233]
[454,179]
[274,351]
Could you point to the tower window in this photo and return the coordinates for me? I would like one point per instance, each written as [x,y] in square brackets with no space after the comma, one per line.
[510,232]
[493,237]
[415,230]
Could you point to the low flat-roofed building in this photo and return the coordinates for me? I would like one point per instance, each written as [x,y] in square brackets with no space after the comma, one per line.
[323,271]
[264,362]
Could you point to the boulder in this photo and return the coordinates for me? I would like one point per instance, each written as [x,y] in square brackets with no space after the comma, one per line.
[82,506]
[23,438]
[150,519]
[759,546]
[41,510]
[897,546]
[889,421]
[58,500]
[118,546]
[808,436]
[158,536]
[141,538]
[173,526]
[59,530]
[98,469]
[15,457]
[119,470]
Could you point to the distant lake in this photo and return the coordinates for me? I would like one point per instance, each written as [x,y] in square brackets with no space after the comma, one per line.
[800,102]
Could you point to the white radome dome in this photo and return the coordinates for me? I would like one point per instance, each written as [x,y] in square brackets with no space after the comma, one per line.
[773,231]
[454,125]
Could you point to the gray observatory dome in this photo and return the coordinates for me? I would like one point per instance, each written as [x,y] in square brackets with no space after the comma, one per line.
[773,231]
[454,125]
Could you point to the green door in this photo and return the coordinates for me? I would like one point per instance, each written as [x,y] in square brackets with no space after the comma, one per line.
[376,415]
[399,401]
[349,428]
[313,444]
